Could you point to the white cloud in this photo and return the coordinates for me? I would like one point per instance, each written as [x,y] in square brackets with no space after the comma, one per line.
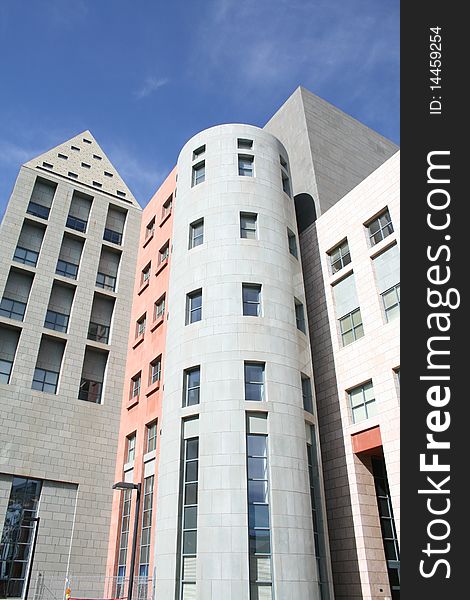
[150,85]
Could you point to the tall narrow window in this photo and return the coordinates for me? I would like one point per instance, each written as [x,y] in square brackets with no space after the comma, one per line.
[254,381]
[145,274]
[199,152]
[380,227]
[164,253]
[155,370]
[307,393]
[391,300]
[150,229]
[362,401]
[292,243]
[347,309]
[199,173]
[251,293]
[160,308]
[135,386]
[248,225]
[317,513]
[286,184]
[196,233]
[166,207]
[140,326]
[258,516]
[151,437]
[299,316]
[130,452]
[145,535]
[194,307]
[245,165]
[192,386]
[123,542]
[189,505]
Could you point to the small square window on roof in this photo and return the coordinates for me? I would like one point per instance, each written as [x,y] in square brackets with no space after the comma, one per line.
[244,143]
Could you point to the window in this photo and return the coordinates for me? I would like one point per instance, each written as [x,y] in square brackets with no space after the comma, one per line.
[244,144]
[5,370]
[90,391]
[380,227]
[140,326]
[72,175]
[135,386]
[155,370]
[351,327]
[199,173]
[150,229]
[86,165]
[339,256]
[38,210]
[76,223]
[292,243]
[145,274]
[45,381]
[12,309]
[164,253]
[107,282]
[25,256]
[283,162]
[166,208]
[144,555]
[251,294]
[131,439]
[192,386]
[160,308]
[108,174]
[123,541]
[98,332]
[112,236]
[188,526]
[299,316]
[194,307]
[362,402]
[152,436]
[254,381]
[285,183]
[196,233]
[248,225]
[56,320]
[307,393]
[67,269]
[75,148]
[199,152]
[245,165]
[391,300]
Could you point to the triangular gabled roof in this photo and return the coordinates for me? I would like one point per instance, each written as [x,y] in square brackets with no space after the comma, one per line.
[81,159]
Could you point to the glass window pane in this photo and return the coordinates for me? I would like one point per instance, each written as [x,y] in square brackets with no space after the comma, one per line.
[192,449]
[359,332]
[190,518]
[359,414]
[192,397]
[257,468]
[348,338]
[191,470]
[256,445]
[356,318]
[393,313]
[194,377]
[189,542]
[368,392]
[258,516]
[190,495]
[253,392]
[259,541]
[356,396]
[345,324]
[257,491]
[254,373]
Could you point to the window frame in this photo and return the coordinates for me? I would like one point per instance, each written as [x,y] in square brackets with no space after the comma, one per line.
[258,303]
[189,309]
[198,173]
[395,288]
[155,375]
[187,388]
[261,384]
[365,403]
[381,228]
[243,170]
[353,328]
[192,237]
[341,258]
[244,229]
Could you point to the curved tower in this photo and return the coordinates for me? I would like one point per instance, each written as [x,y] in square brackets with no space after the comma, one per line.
[239,493]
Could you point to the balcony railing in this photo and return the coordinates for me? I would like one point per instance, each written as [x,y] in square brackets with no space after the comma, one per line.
[112,236]
[25,256]
[66,269]
[98,332]
[56,320]
[12,309]
[90,391]
[76,223]
[107,282]
[38,210]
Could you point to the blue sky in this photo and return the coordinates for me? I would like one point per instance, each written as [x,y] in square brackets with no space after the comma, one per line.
[144,76]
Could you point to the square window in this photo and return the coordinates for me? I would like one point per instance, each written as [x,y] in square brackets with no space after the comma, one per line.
[380,227]
[251,294]
[351,327]
[391,302]
[286,183]
[192,386]
[194,307]
[254,381]
[245,165]
[248,225]
[196,233]
[339,257]
[199,173]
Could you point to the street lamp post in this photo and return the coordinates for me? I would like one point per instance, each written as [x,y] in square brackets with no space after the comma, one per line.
[124,485]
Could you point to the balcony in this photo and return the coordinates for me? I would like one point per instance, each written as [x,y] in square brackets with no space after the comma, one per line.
[90,391]
[76,223]
[112,236]
[38,210]
[98,332]
[25,256]
[66,269]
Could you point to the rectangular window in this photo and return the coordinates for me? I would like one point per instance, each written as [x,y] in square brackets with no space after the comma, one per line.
[130,445]
[189,506]
[254,381]
[56,320]
[251,294]
[292,243]
[362,401]
[45,380]
[299,316]
[199,173]
[145,535]
[248,225]
[283,162]
[391,300]
[140,326]
[150,229]
[258,516]
[245,165]
[244,144]
[135,386]
[145,274]
[199,152]
[194,307]
[380,227]
[160,308]
[307,393]
[166,207]
[286,183]
[18,534]
[12,309]
[25,256]
[123,542]
[155,370]
[152,436]
[107,282]
[196,233]
[5,370]
[192,386]
[339,257]
[115,237]
[67,269]
[351,327]
[164,253]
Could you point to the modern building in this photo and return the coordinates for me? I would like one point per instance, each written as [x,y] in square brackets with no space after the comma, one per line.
[67,260]
[245,350]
